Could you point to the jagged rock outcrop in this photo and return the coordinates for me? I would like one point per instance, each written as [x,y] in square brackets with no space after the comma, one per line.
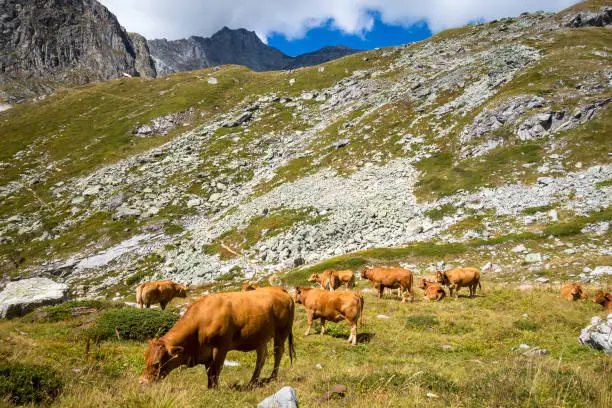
[144,63]
[76,41]
[592,19]
[23,296]
[240,47]
[598,334]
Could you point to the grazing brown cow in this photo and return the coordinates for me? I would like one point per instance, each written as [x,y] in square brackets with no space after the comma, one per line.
[392,278]
[161,292]
[334,306]
[572,291]
[327,279]
[458,278]
[248,286]
[432,290]
[604,299]
[215,324]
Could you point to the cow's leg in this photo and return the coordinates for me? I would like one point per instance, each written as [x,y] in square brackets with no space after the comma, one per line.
[279,349]
[148,305]
[450,289]
[310,316]
[457,291]
[322,326]
[262,354]
[353,337]
[402,291]
[215,367]
[163,305]
[381,289]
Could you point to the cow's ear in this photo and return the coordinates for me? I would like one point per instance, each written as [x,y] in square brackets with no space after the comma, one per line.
[175,350]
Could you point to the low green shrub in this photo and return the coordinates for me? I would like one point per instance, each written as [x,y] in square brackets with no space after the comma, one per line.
[27,383]
[132,324]
[527,325]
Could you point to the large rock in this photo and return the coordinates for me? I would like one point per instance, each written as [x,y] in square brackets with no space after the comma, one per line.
[598,334]
[284,398]
[21,297]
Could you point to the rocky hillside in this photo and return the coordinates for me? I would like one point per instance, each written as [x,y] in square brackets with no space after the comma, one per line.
[70,41]
[486,144]
[238,47]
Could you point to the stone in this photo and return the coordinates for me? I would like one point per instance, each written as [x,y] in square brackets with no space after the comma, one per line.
[284,398]
[535,352]
[533,257]
[91,191]
[123,212]
[21,297]
[194,202]
[214,197]
[307,96]
[212,81]
[601,271]
[340,143]
[598,334]
[542,280]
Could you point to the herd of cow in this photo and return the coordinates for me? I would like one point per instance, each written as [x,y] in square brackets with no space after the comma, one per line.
[246,321]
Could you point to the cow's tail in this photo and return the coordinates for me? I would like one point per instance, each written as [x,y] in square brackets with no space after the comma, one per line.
[411,286]
[291,346]
[360,305]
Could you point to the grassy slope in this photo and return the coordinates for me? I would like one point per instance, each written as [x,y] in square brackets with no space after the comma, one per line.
[398,361]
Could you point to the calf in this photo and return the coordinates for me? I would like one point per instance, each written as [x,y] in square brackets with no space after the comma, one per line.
[334,306]
[458,278]
[161,292]
[327,279]
[392,278]
[604,299]
[215,324]
[432,290]
[573,291]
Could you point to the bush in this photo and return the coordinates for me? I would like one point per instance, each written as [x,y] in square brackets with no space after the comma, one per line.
[65,310]
[133,324]
[26,383]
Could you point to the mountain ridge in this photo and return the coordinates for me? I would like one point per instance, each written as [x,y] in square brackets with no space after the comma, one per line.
[233,46]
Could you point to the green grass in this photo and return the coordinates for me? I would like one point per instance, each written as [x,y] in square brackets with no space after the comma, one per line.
[397,362]
[132,324]
[66,309]
[539,209]
[440,212]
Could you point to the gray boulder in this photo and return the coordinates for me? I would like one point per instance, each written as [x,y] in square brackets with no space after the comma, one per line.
[598,334]
[23,296]
[284,398]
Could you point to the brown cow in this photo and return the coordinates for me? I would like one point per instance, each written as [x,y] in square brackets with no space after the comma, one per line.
[335,306]
[347,277]
[572,291]
[392,278]
[458,278]
[248,286]
[604,299]
[161,292]
[217,323]
[327,279]
[432,290]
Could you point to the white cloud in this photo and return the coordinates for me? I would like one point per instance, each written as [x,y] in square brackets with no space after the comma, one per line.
[174,19]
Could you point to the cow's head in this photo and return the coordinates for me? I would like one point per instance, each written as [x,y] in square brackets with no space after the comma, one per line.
[315,277]
[248,286]
[441,278]
[364,273]
[160,359]
[577,292]
[601,297]
[181,290]
[299,295]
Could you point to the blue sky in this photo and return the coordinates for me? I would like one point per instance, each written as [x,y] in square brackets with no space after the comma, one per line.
[298,26]
[380,35]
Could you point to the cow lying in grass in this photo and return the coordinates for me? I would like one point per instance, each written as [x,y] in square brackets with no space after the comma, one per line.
[392,278]
[604,299]
[161,292]
[217,323]
[432,290]
[573,291]
[458,278]
[335,307]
